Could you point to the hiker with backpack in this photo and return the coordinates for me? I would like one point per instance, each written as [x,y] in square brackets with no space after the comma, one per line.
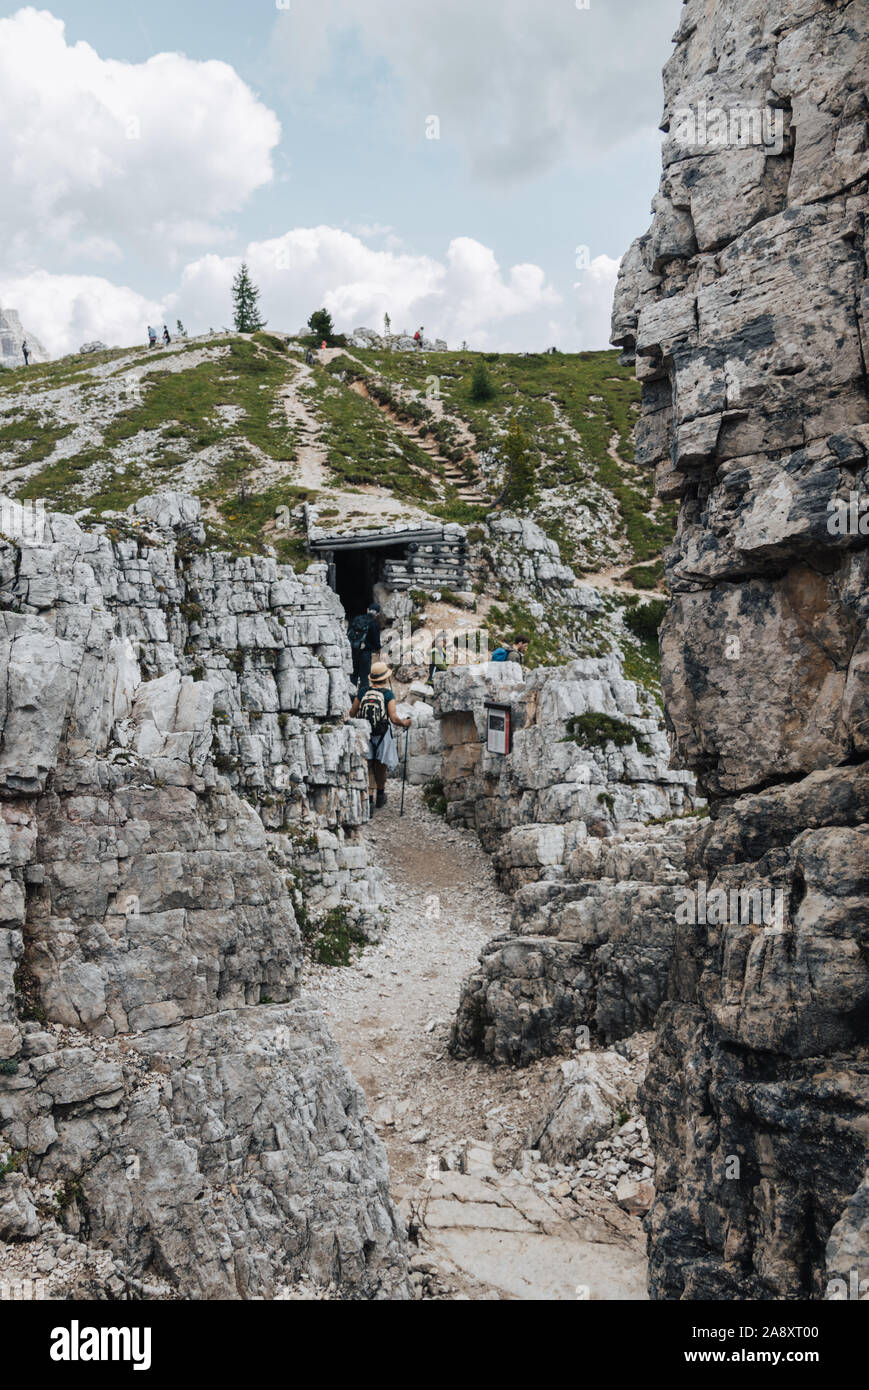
[363,634]
[152,336]
[377,705]
[515,653]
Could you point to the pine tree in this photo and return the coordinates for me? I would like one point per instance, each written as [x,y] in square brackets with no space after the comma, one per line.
[519,470]
[482,386]
[245,308]
[387,325]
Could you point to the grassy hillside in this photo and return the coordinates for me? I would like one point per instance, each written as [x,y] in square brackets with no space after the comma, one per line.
[247,426]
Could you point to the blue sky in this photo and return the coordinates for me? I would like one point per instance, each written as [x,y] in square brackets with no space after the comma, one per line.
[137,182]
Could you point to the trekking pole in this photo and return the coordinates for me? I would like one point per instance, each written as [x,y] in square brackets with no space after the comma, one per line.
[404,773]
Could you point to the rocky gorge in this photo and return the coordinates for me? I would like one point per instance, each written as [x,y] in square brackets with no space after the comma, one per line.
[587,1016]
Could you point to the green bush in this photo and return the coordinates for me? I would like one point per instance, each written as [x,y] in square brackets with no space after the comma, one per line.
[646,576]
[595,730]
[336,938]
[645,620]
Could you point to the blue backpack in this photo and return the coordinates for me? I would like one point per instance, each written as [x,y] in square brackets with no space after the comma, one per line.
[500,654]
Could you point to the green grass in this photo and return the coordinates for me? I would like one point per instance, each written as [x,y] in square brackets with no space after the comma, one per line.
[244,518]
[31,438]
[358,436]
[588,393]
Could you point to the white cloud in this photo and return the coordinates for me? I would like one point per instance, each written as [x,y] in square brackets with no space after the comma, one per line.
[64,311]
[594,302]
[467,295]
[96,154]
[518,85]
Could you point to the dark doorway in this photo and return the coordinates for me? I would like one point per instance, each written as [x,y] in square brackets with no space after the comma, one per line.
[355,575]
[358,570]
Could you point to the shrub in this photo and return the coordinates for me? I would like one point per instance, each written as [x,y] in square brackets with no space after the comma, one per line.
[336,938]
[595,730]
[645,620]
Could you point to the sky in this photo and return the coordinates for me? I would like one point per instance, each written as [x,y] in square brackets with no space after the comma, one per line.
[474,167]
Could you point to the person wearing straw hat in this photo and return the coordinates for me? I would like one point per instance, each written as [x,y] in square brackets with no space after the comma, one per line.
[375,702]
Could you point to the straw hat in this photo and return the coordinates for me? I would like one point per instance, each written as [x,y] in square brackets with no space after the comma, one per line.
[380,674]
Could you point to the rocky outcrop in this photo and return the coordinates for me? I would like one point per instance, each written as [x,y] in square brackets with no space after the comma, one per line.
[12,338]
[160,1074]
[393,342]
[565,817]
[744,308]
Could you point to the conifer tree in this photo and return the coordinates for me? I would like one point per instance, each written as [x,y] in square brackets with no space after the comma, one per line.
[245,306]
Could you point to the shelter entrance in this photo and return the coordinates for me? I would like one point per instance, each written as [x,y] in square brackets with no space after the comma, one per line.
[356,570]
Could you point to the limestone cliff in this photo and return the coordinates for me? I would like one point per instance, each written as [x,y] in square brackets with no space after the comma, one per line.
[744,308]
[166,1094]
[587,826]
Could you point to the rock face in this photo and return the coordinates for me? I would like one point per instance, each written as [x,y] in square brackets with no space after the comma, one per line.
[160,1073]
[12,336]
[563,815]
[744,308]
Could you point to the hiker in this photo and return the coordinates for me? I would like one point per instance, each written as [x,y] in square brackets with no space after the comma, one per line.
[309,357]
[152,336]
[439,659]
[166,339]
[26,351]
[515,653]
[363,634]
[417,337]
[377,705]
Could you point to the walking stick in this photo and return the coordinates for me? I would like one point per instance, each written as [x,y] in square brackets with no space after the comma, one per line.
[404,773]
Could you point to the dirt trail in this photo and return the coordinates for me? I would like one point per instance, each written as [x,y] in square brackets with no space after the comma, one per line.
[485,1231]
[443,905]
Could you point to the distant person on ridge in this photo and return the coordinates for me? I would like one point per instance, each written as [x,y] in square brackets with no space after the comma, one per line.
[363,634]
[26,351]
[152,336]
[377,705]
[166,339]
